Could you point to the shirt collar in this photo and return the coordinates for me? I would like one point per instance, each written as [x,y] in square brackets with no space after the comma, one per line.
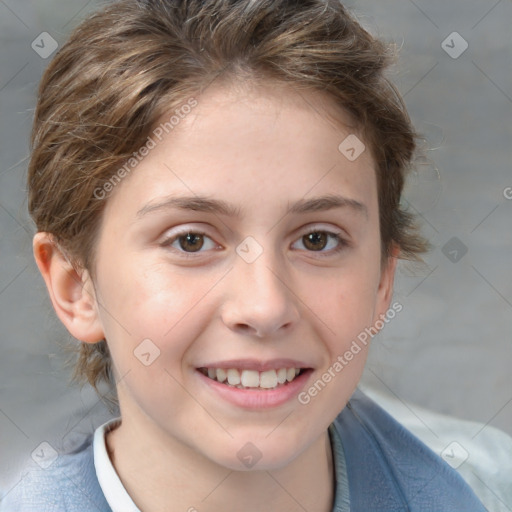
[114,491]
[341,490]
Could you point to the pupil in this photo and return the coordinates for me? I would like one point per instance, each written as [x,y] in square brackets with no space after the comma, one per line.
[315,241]
[192,242]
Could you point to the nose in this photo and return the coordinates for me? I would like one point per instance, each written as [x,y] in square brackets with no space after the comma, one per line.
[259,299]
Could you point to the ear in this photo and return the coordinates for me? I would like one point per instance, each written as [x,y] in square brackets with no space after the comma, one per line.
[72,293]
[387,279]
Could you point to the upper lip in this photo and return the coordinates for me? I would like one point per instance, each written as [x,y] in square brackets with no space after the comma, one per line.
[257,365]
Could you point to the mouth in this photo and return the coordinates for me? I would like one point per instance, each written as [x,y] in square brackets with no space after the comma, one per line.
[248,379]
[253,384]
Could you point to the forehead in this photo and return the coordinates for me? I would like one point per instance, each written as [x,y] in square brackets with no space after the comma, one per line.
[265,110]
[245,141]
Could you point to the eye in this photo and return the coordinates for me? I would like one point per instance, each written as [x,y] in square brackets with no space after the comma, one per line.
[189,242]
[321,241]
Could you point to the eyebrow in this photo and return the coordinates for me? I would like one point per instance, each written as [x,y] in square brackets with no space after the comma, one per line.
[219,207]
[195,203]
[329,202]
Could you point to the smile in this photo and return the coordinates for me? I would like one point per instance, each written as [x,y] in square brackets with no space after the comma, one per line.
[253,385]
[252,379]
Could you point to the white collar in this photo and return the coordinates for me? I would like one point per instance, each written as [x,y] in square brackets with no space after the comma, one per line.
[114,491]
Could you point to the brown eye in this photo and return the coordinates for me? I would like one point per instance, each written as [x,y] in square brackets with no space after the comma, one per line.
[188,243]
[325,243]
[191,242]
[315,241]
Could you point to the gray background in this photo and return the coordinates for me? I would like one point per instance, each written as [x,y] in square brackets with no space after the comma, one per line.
[449,349]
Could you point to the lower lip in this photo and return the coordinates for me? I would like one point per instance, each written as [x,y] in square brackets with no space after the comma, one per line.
[255,398]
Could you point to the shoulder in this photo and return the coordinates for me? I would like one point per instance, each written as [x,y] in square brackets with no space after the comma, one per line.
[69,484]
[389,469]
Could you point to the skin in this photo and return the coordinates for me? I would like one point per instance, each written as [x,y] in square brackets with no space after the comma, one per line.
[261,149]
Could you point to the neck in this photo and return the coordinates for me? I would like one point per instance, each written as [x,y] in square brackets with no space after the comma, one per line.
[156,472]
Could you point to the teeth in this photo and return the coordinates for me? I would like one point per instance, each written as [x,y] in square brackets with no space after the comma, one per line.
[233,377]
[268,379]
[250,378]
[281,375]
[242,379]
[221,374]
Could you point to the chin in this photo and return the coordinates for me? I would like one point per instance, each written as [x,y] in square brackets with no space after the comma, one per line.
[258,455]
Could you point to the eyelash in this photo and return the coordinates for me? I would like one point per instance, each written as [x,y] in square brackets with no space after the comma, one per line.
[341,242]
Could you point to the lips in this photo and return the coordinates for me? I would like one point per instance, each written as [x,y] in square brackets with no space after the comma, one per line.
[253,373]
[258,385]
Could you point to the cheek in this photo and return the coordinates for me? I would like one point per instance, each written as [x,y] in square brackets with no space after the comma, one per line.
[345,311]
[151,324]
[346,301]
[154,311]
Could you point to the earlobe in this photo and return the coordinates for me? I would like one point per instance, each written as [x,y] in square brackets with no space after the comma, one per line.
[71,292]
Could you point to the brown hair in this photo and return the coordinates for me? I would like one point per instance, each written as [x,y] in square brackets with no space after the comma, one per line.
[132,62]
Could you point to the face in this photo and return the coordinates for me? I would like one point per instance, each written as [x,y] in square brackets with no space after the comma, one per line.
[245,243]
